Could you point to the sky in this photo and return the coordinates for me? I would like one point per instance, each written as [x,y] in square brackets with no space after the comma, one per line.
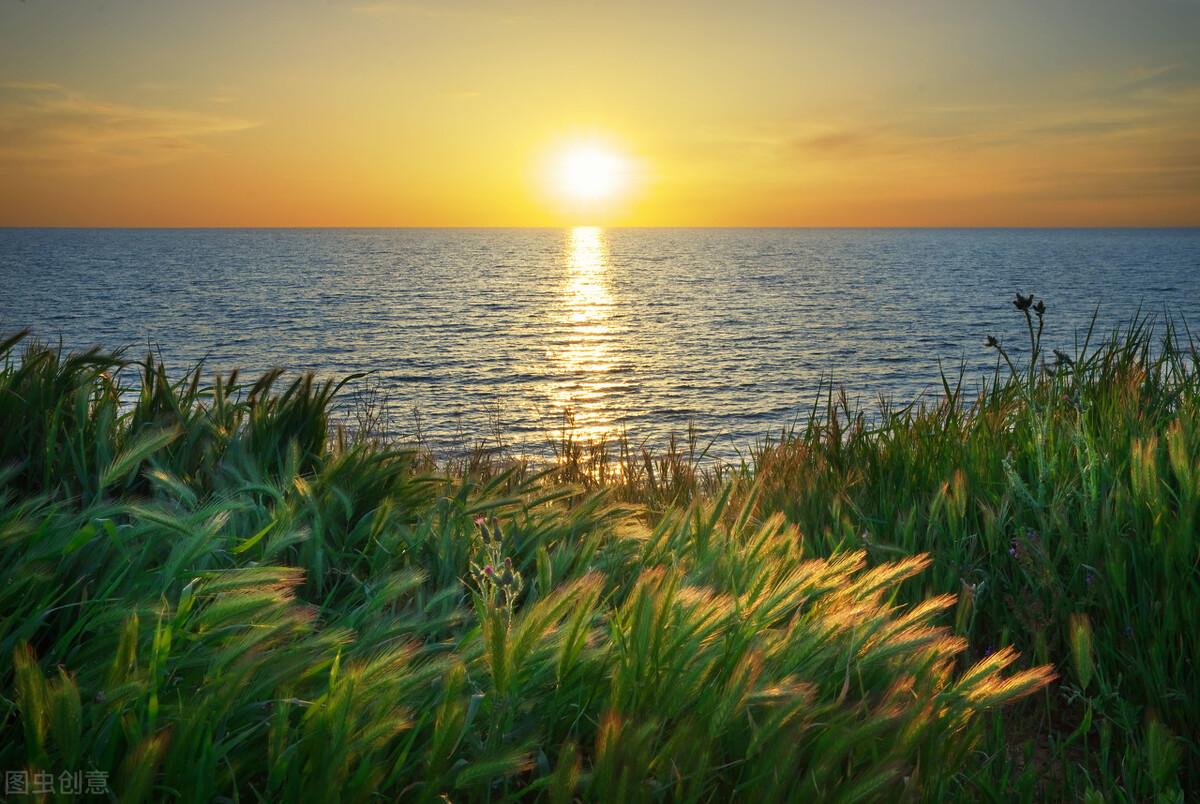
[413,113]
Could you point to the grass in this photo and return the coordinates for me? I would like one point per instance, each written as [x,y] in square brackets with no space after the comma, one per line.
[216,592]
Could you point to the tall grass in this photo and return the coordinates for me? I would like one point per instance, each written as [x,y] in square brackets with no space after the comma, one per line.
[214,592]
[1060,503]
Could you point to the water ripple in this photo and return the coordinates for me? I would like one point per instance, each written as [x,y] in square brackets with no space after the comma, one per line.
[635,329]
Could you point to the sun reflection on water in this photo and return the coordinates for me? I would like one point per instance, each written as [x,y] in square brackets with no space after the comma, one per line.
[583,353]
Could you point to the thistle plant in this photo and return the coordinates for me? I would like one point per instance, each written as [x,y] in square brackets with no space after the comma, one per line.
[497,580]
[1028,308]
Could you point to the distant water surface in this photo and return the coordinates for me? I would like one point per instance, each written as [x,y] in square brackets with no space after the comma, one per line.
[502,332]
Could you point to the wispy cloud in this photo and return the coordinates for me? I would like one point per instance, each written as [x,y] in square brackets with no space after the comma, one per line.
[1135,117]
[839,142]
[47,126]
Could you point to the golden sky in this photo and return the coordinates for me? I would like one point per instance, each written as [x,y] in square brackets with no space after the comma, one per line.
[394,113]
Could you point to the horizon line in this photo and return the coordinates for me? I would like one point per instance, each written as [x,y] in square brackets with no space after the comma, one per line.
[459,227]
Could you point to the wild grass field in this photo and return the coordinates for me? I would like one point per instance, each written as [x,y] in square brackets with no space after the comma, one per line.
[214,591]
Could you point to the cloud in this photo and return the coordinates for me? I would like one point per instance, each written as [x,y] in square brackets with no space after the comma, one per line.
[1163,76]
[843,143]
[45,126]
[836,141]
[1133,113]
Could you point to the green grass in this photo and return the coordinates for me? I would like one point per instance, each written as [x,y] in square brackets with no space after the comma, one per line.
[213,591]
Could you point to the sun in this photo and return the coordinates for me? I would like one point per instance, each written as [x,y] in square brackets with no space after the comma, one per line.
[586,172]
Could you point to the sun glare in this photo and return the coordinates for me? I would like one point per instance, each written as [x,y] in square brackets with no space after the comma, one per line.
[590,173]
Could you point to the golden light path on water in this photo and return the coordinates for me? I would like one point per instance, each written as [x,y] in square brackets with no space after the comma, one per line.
[583,355]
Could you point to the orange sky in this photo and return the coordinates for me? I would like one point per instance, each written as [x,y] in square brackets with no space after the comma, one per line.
[326,113]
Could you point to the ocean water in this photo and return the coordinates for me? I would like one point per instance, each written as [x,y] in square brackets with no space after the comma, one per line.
[479,335]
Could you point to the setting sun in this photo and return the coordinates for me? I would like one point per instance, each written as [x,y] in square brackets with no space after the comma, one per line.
[590,173]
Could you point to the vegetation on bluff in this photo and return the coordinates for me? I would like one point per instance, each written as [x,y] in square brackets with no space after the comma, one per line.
[210,590]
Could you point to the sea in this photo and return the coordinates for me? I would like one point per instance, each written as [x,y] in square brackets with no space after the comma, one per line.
[514,338]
